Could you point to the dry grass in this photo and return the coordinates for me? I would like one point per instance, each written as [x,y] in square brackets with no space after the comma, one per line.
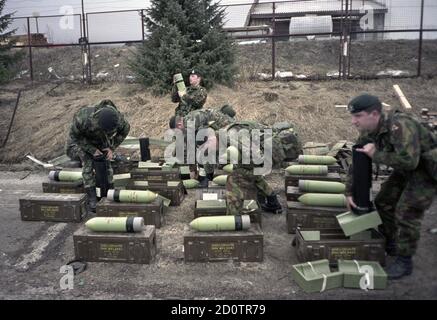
[42,121]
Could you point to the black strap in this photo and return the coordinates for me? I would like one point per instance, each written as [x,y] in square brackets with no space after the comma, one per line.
[56,177]
[238,223]
[130,224]
[117,195]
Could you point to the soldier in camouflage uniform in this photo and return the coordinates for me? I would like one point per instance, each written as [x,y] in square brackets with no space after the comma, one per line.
[95,131]
[242,183]
[397,140]
[192,99]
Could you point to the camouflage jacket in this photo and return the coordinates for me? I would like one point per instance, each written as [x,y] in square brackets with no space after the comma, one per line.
[400,142]
[212,118]
[86,133]
[286,145]
[194,99]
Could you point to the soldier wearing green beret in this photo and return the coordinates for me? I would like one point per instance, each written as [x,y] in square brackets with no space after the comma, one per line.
[95,131]
[400,141]
[193,98]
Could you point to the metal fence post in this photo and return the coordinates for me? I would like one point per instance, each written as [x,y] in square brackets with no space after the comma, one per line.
[419,63]
[142,24]
[273,42]
[29,44]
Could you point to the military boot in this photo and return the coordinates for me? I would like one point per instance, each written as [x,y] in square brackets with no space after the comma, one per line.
[390,248]
[403,266]
[272,205]
[92,198]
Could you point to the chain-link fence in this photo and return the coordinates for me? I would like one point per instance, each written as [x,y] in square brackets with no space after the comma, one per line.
[310,39]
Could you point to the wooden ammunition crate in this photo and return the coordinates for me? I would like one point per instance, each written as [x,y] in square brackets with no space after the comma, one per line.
[63,187]
[311,217]
[172,190]
[161,174]
[331,168]
[244,246]
[138,247]
[218,208]
[153,213]
[218,190]
[368,245]
[293,180]
[54,207]
[120,167]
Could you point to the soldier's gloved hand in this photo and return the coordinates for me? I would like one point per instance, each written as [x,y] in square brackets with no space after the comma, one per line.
[350,203]
[369,149]
[109,153]
[97,153]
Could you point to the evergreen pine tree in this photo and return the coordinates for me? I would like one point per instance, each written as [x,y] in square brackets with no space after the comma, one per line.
[7,58]
[184,35]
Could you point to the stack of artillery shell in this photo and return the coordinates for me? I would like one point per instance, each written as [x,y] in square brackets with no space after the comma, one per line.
[221,223]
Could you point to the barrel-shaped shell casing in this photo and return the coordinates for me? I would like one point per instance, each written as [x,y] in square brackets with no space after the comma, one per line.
[314,159]
[321,186]
[132,196]
[307,169]
[62,175]
[323,199]
[221,223]
[115,224]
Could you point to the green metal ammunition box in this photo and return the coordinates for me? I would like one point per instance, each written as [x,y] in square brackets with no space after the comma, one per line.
[244,246]
[352,275]
[120,167]
[316,245]
[54,207]
[352,224]
[63,187]
[219,191]
[316,276]
[160,174]
[153,213]
[312,218]
[138,247]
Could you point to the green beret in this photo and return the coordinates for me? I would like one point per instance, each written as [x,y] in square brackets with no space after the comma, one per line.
[227,109]
[362,102]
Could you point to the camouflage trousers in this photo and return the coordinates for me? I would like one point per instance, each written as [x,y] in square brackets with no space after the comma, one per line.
[401,203]
[88,173]
[242,185]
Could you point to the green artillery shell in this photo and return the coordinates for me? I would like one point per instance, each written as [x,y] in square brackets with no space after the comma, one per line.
[221,223]
[307,169]
[191,183]
[136,196]
[116,224]
[65,175]
[179,80]
[313,159]
[220,180]
[232,154]
[323,199]
[321,186]
[228,168]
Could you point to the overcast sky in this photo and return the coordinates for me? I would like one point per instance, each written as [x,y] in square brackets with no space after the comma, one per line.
[102,27]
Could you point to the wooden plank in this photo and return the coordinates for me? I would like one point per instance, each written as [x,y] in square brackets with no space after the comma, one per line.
[401,97]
